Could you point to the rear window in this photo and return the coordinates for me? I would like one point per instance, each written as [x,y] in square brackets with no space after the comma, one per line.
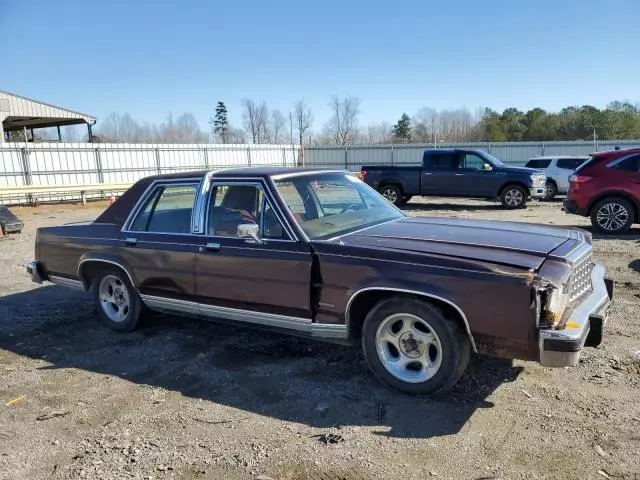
[570,163]
[538,163]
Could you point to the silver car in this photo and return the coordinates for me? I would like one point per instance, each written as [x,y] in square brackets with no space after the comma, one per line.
[557,168]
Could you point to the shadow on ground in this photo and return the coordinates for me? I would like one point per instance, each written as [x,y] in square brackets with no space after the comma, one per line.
[320,385]
[635,265]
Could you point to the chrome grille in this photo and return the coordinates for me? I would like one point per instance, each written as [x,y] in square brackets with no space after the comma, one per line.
[580,279]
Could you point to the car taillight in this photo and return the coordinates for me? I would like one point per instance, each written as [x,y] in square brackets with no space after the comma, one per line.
[363,174]
[575,178]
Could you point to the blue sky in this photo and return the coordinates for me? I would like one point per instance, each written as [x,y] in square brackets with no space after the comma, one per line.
[151,57]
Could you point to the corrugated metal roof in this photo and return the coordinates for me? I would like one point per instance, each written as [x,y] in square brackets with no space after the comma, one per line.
[13,105]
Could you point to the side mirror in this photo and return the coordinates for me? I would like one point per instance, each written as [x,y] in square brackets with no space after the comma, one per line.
[486,167]
[249,231]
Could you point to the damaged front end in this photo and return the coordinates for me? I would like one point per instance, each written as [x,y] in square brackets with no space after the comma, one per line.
[571,299]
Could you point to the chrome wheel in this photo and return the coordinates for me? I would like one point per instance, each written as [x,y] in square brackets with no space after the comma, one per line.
[408,348]
[612,216]
[114,298]
[513,197]
[391,194]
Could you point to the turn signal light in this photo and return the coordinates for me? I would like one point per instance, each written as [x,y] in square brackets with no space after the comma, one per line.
[363,174]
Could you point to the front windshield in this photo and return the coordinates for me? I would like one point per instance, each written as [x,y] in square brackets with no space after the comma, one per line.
[495,161]
[328,205]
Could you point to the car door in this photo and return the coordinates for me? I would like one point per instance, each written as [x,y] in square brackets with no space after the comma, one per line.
[472,179]
[264,280]
[439,175]
[158,244]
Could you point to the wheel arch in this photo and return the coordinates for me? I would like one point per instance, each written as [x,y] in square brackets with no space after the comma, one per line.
[361,302]
[90,264]
[616,194]
[396,182]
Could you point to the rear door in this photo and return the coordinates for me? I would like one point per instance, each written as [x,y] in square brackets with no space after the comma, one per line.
[564,168]
[158,245]
[439,174]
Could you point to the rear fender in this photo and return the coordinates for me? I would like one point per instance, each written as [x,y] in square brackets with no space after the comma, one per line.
[92,258]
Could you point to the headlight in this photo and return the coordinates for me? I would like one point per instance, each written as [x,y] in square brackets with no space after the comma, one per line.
[538,179]
[554,305]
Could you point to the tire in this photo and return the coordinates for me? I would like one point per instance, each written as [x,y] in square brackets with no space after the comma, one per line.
[551,191]
[612,215]
[437,341]
[513,196]
[123,312]
[391,193]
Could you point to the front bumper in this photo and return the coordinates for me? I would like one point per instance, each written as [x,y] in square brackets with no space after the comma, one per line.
[36,272]
[585,325]
[537,192]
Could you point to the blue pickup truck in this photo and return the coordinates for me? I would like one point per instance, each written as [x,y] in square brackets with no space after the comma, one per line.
[457,173]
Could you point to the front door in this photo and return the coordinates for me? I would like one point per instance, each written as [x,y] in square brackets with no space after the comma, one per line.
[159,248]
[265,280]
[471,180]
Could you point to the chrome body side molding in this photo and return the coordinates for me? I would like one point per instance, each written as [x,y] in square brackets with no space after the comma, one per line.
[66,282]
[415,292]
[303,325]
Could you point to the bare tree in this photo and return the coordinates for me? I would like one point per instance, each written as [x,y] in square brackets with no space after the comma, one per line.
[255,119]
[343,124]
[303,119]
[378,133]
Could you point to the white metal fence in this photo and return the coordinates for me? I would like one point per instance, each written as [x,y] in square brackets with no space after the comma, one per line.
[513,153]
[85,163]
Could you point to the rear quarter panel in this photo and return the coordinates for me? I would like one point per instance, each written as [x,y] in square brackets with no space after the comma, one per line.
[60,248]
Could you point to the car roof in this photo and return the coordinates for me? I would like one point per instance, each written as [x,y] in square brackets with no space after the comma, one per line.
[622,151]
[262,172]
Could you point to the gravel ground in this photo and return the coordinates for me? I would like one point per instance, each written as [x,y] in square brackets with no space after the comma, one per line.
[183,399]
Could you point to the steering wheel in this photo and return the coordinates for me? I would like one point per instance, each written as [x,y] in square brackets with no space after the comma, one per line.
[352,206]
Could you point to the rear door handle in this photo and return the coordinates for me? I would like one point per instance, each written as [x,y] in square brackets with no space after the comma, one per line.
[213,247]
[459,174]
[428,173]
[132,242]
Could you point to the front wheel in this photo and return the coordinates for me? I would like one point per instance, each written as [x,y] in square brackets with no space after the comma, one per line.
[513,196]
[391,193]
[612,215]
[412,347]
[118,303]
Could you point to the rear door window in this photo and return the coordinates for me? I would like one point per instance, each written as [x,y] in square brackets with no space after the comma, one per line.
[167,210]
[630,164]
[570,163]
[538,163]
[443,161]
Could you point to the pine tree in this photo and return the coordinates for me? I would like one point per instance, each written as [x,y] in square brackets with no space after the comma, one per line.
[402,129]
[220,122]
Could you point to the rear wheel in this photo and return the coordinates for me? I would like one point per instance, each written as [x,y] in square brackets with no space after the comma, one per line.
[118,303]
[412,347]
[513,196]
[612,215]
[391,193]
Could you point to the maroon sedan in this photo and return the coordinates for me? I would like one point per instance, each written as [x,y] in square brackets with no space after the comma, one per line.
[319,253]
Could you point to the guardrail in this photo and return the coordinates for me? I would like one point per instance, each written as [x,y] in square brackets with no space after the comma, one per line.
[31,192]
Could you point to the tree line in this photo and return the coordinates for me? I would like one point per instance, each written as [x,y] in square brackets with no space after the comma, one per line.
[260,124]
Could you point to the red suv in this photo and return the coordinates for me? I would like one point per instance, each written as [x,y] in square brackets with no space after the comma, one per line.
[607,189]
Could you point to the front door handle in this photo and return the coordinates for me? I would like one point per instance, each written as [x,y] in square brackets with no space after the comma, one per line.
[132,242]
[459,174]
[213,247]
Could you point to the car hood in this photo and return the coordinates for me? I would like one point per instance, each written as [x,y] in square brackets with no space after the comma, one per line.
[520,170]
[523,245]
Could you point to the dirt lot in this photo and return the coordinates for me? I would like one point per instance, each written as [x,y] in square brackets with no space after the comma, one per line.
[184,399]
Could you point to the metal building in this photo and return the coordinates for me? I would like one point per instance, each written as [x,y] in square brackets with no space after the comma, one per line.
[23,114]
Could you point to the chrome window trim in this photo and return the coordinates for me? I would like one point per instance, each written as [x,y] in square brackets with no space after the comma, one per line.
[413,292]
[189,181]
[283,176]
[305,325]
[258,183]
